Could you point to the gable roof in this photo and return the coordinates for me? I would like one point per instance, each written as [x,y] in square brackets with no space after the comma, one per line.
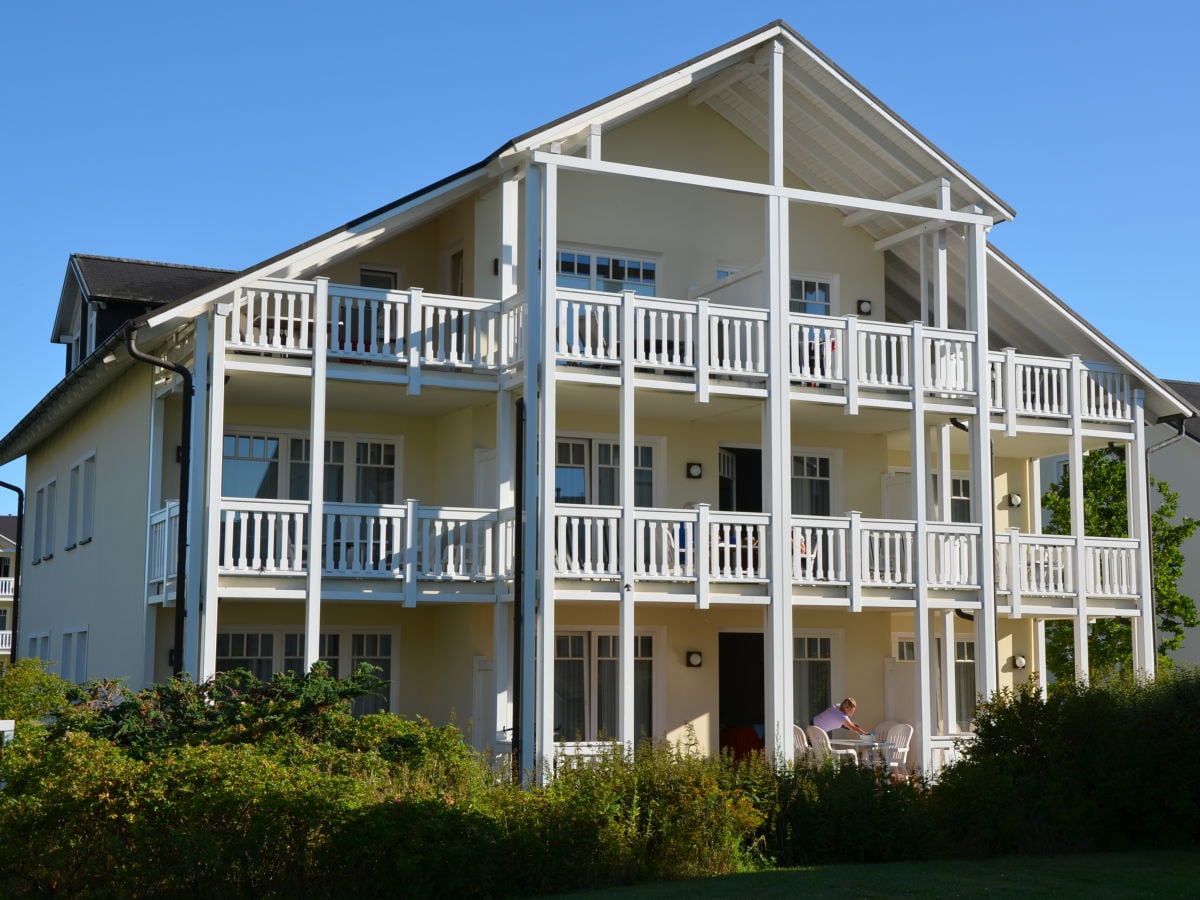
[141,281]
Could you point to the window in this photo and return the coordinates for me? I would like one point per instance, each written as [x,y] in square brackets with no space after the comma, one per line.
[811,295]
[813,676]
[247,650]
[964,683]
[812,483]
[385,279]
[906,650]
[73,664]
[251,466]
[39,646]
[578,480]
[960,500]
[3,619]
[48,533]
[602,272]
[39,516]
[375,472]
[375,649]
[293,652]
[298,469]
[587,696]
[5,567]
[81,502]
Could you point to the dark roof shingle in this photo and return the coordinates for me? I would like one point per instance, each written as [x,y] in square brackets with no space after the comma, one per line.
[139,281]
[1189,391]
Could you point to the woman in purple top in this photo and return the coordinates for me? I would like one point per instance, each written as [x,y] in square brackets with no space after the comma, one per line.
[838,717]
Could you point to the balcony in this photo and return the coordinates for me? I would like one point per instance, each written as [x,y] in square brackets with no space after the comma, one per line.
[6,588]
[6,639]
[1037,572]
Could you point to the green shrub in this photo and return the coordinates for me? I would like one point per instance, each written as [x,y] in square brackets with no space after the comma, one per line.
[28,691]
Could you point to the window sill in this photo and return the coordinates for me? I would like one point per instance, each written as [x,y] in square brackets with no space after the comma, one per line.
[86,540]
[69,547]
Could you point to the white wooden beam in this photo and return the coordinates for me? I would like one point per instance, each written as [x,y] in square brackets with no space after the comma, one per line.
[775,120]
[909,233]
[732,75]
[316,478]
[209,606]
[798,195]
[928,189]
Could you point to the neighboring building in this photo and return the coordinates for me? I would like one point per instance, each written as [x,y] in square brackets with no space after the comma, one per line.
[1177,462]
[782,402]
[8,570]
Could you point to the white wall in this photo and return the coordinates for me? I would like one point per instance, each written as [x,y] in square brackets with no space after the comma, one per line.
[1179,465]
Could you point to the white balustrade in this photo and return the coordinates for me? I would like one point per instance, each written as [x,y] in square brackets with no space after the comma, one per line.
[948,361]
[164,548]
[817,346]
[367,323]
[363,540]
[588,327]
[6,586]
[664,334]
[1111,567]
[884,355]
[272,316]
[738,546]
[665,544]
[459,332]
[587,541]
[456,544]
[737,341]
[1105,394]
[886,552]
[6,639]
[819,550]
[953,555]
[263,536]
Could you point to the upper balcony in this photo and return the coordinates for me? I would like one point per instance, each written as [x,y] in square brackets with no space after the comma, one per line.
[689,346]
[6,588]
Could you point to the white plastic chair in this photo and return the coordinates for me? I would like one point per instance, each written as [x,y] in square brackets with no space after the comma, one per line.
[823,750]
[801,751]
[899,734]
[883,728]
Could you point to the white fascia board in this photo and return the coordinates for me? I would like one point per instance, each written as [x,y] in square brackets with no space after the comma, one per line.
[628,102]
[1151,382]
[62,321]
[881,111]
[345,241]
[732,185]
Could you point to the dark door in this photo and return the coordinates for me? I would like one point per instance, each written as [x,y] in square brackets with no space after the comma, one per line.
[742,700]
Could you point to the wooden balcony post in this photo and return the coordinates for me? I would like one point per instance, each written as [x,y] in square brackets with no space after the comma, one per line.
[855,557]
[207,666]
[919,556]
[411,536]
[628,568]
[1078,528]
[1144,660]
[416,340]
[702,360]
[1014,573]
[702,547]
[1008,376]
[852,372]
[316,477]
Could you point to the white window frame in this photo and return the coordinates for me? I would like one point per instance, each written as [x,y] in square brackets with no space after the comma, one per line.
[345,635]
[81,500]
[391,271]
[830,278]
[72,664]
[835,456]
[39,514]
[39,645]
[642,257]
[591,680]
[657,444]
[45,500]
[837,660]
[348,439]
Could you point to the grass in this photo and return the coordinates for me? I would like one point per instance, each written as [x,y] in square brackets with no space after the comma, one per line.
[1141,874]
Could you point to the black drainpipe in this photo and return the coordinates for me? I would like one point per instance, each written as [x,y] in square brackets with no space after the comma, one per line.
[518,589]
[16,600]
[185,468]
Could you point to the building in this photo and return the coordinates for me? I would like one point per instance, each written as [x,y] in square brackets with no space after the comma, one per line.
[1176,460]
[8,569]
[689,412]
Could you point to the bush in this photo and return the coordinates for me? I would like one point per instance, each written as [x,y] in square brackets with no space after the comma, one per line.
[28,691]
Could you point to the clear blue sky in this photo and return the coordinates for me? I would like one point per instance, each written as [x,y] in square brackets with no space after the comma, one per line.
[221,133]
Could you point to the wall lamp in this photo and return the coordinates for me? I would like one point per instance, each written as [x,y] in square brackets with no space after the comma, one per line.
[694,659]
[1014,500]
[1018,661]
[864,306]
[694,470]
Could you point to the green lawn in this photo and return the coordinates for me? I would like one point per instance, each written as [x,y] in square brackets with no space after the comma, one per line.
[1157,874]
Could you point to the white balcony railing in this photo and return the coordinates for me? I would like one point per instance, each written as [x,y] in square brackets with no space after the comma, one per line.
[1043,565]
[163,550]
[6,639]
[6,587]
[1043,387]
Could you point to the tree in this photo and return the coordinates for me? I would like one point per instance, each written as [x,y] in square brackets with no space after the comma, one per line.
[1105,514]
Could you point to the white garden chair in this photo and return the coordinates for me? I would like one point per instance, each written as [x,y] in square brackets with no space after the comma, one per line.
[899,734]
[823,750]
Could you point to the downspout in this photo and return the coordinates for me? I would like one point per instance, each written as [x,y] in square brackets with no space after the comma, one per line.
[518,584]
[16,600]
[185,468]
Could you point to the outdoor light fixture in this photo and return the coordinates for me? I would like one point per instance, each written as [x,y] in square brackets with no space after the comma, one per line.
[1018,661]
[1014,500]
[695,659]
[864,307]
[694,470]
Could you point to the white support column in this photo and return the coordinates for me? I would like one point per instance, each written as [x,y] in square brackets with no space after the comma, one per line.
[945,474]
[531,587]
[196,480]
[949,685]
[316,478]
[509,231]
[209,606]
[922,633]
[416,340]
[625,628]
[1035,501]
[982,487]
[777,442]
[923,274]
[775,123]
[1039,657]
[941,256]
[1078,526]
[1145,660]
[502,648]
[547,431]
